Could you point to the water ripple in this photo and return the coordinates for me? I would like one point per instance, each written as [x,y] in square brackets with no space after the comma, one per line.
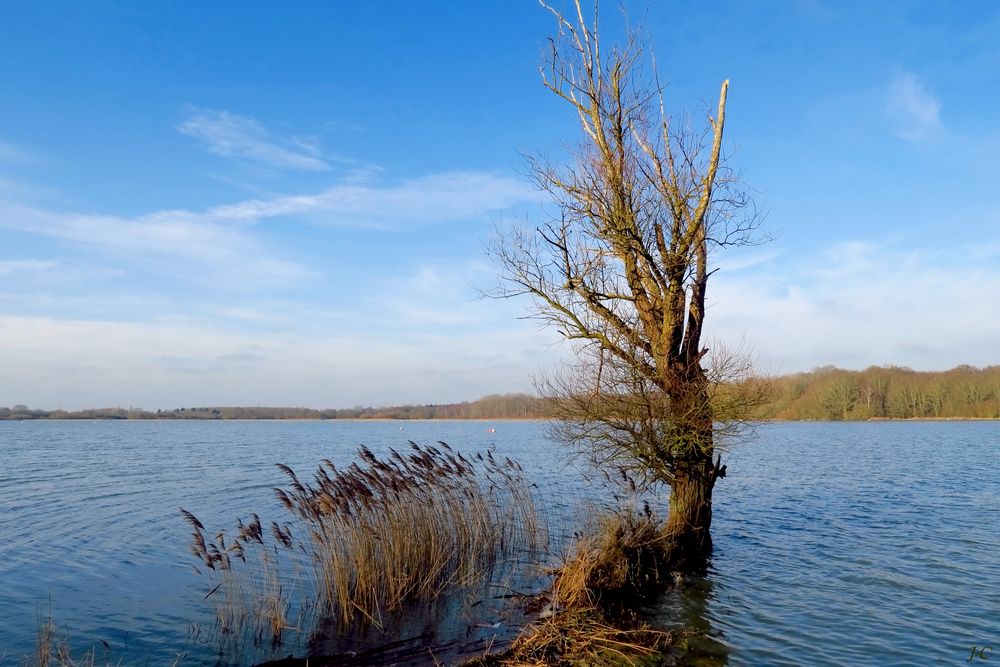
[836,544]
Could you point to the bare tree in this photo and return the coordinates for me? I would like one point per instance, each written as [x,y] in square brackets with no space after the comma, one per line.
[622,272]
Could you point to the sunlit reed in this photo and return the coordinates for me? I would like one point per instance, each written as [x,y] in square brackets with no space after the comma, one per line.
[364,541]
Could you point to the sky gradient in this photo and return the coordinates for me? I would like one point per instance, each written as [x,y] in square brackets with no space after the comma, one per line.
[235,204]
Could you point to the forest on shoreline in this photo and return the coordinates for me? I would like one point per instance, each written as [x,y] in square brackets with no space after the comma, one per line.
[827,393]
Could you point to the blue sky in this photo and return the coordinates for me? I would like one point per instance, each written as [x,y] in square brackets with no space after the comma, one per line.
[235,203]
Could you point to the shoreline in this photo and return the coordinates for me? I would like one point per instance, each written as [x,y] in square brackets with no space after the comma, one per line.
[472,419]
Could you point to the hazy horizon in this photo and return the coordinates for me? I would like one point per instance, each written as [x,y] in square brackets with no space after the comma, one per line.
[379,405]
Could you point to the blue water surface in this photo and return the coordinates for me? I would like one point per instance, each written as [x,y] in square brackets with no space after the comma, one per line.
[836,543]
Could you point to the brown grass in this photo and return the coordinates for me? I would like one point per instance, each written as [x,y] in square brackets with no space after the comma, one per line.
[622,560]
[52,649]
[581,637]
[589,620]
[363,541]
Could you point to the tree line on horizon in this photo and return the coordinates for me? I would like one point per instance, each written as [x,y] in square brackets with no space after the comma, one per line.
[884,392]
[492,406]
[826,393]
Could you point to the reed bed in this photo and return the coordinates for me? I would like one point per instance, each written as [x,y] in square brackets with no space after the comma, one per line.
[364,541]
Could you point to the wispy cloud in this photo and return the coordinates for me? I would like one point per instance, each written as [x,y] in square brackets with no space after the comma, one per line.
[220,244]
[11,265]
[180,244]
[11,153]
[230,135]
[444,197]
[914,110]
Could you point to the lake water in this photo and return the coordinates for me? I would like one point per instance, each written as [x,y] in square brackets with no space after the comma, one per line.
[868,543]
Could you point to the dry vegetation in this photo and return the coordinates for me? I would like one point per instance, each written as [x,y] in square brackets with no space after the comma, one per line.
[52,649]
[590,619]
[621,561]
[364,541]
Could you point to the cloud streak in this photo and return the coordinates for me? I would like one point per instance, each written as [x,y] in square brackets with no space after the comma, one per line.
[445,197]
[221,240]
[180,245]
[233,136]
[10,153]
[913,109]
[27,265]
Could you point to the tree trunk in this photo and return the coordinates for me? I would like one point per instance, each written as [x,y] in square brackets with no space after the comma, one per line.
[689,521]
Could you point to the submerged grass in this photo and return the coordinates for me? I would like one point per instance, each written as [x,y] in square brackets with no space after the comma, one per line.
[52,649]
[364,541]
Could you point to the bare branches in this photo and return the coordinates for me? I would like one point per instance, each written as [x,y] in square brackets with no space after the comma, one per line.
[622,272]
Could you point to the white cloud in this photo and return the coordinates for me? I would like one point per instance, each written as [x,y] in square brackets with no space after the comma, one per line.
[859,304]
[81,363]
[914,111]
[230,135]
[439,296]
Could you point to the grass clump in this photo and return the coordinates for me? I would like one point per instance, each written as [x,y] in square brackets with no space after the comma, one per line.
[366,540]
[52,649]
[622,562]
[580,637]
[590,619]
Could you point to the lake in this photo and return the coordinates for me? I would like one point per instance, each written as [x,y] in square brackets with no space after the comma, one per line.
[836,543]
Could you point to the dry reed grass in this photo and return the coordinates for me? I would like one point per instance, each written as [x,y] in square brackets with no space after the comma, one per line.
[363,541]
[623,560]
[590,621]
[52,649]
[581,637]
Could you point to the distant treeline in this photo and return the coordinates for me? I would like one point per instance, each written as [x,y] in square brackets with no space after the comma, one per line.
[886,392]
[879,392]
[494,406]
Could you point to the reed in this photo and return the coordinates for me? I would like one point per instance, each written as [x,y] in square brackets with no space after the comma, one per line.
[590,618]
[581,637]
[52,649]
[364,541]
[622,560]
